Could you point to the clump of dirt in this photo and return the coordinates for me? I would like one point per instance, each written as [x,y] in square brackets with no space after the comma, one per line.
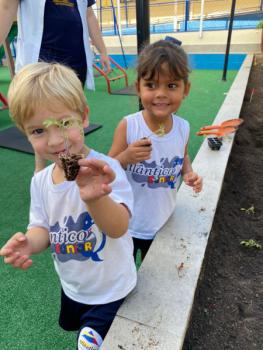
[70,165]
[228,308]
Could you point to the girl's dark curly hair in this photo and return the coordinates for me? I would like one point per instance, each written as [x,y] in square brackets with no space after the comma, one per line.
[152,58]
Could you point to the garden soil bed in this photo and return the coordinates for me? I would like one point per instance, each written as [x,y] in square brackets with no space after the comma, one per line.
[228,307]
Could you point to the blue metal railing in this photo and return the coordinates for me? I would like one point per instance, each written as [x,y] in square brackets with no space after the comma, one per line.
[247,20]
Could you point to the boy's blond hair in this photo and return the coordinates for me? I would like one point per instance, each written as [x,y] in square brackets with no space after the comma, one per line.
[44,85]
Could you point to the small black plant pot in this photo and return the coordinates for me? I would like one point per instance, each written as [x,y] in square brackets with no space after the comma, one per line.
[215,143]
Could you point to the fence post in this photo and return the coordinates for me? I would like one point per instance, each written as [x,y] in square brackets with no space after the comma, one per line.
[229,38]
[143,23]
[143,26]
[186,17]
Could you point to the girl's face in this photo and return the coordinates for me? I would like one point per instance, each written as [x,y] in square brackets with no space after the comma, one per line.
[49,140]
[162,96]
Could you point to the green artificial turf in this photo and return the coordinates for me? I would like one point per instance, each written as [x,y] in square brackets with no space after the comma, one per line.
[11,35]
[30,299]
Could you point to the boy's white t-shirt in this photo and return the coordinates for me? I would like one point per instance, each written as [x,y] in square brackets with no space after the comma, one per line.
[93,268]
[155,181]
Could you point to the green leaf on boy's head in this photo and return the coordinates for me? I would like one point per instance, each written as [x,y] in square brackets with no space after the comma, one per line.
[65,123]
[52,121]
[70,123]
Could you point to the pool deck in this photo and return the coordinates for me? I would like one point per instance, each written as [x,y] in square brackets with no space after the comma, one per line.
[242,41]
[156,314]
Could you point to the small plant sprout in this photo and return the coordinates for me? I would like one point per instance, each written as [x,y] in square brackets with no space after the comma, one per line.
[251,243]
[69,161]
[249,211]
[159,132]
[65,124]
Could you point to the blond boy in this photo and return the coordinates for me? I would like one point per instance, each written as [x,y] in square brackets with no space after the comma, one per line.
[83,221]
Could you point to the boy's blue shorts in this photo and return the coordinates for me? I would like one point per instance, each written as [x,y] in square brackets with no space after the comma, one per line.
[74,316]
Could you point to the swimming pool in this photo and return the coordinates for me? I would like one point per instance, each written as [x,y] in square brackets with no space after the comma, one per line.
[190,26]
[197,61]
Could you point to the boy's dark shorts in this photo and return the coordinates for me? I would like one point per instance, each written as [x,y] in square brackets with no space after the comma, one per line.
[75,316]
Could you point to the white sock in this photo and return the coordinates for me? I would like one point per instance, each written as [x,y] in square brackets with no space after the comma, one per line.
[89,339]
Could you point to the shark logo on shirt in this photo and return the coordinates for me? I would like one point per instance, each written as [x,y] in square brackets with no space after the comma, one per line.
[77,240]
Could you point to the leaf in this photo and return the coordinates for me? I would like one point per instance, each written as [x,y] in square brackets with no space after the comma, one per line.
[251,243]
[161,131]
[250,210]
[52,121]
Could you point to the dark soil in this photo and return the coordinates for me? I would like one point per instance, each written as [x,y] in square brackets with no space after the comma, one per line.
[228,308]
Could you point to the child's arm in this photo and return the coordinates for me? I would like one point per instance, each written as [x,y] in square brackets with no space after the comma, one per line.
[20,247]
[94,180]
[189,176]
[8,10]
[129,154]
[97,39]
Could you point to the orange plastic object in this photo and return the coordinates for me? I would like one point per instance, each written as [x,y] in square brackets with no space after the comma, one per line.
[220,132]
[231,122]
[108,79]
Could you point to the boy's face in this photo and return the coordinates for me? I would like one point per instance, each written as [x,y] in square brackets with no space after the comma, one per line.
[50,133]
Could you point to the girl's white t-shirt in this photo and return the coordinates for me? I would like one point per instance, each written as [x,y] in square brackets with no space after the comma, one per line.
[93,268]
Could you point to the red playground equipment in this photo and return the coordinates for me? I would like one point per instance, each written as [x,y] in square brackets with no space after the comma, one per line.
[3,100]
[109,78]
